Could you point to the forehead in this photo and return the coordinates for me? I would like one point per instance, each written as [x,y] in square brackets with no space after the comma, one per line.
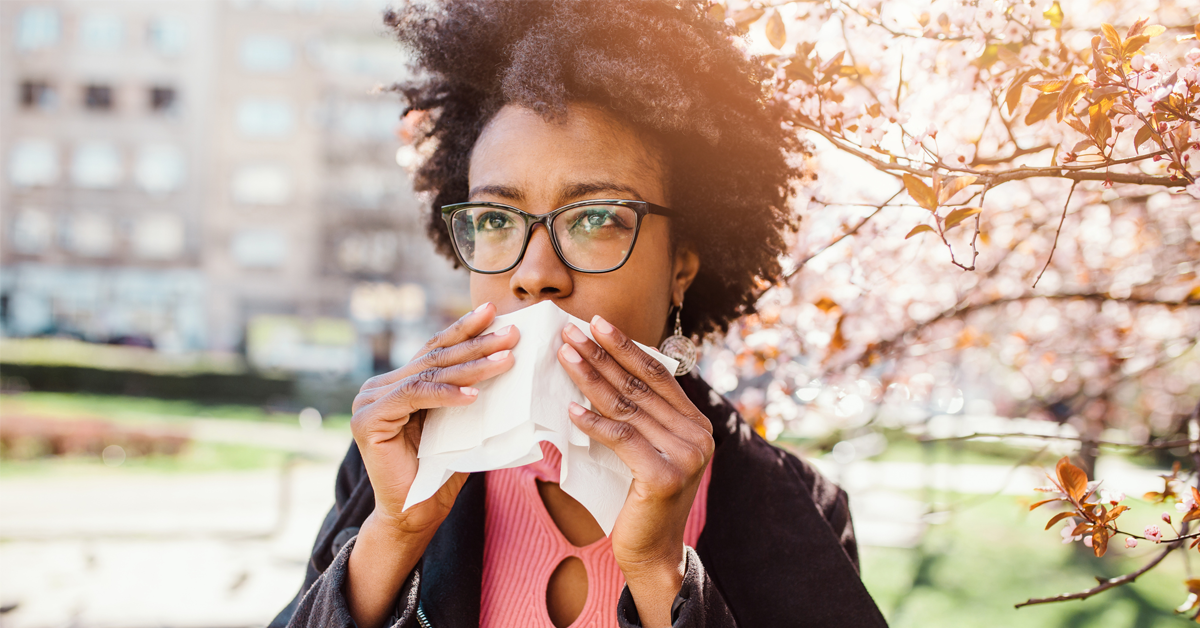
[541,160]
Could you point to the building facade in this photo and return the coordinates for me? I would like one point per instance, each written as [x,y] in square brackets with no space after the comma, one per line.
[213,176]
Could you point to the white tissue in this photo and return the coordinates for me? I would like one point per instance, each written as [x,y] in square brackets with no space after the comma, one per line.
[519,408]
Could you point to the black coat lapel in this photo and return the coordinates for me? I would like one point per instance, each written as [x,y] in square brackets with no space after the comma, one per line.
[452,568]
[766,544]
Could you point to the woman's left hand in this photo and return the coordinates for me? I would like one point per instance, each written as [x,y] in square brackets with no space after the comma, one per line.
[642,414]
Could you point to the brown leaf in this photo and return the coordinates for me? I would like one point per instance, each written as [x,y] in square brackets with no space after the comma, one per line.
[1049,85]
[1041,108]
[1142,136]
[834,62]
[956,185]
[776,33]
[1137,27]
[959,215]
[1154,30]
[920,192]
[1059,517]
[1013,97]
[1070,95]
[1071,478]
[1082,528]
[1134,44]
[1111,36]
[919,229]
[1044,501]
[1100,541]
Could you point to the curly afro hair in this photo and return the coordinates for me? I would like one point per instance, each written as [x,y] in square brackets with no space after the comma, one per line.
[666,68]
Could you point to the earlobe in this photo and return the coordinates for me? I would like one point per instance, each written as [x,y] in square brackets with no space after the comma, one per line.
[687,264]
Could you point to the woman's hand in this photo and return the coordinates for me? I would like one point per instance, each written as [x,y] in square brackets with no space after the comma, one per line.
[389,415]
[643,415]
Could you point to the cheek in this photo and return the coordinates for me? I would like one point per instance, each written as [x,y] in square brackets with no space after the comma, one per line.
[637,295]
[488,288]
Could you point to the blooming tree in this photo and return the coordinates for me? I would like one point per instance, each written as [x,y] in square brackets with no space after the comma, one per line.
[1002,217]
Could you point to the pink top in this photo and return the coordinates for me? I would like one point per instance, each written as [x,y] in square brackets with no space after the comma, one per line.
[522,546]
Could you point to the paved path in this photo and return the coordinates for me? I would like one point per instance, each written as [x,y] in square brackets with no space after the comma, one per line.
[132,550]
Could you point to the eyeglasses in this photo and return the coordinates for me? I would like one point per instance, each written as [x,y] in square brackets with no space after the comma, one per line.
[592,236]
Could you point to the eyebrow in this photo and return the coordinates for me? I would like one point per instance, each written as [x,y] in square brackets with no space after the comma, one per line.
[568,194]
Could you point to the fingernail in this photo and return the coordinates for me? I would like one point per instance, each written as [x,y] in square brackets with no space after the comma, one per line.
[468,391]
[574,333]
[602,325]
[481,307]
[570,354]
[576,409]
[503,331]
[499,355]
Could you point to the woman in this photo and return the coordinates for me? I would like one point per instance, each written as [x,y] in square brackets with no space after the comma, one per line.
[536,110]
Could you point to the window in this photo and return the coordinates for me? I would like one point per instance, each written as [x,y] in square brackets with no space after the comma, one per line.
[262,53]
[167,35]
[259,248]
[38,95]
[158,236]
[33,163]
[37,28]
[32,231]
[162,99]
[96,165]
[101,32]
[264,118]
[90,234]
[159,168]
[98,97]
[262,184]
[368,252]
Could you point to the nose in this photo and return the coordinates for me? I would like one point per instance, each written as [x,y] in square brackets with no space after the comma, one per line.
[541,275]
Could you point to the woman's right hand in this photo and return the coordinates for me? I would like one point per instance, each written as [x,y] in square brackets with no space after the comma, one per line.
[389,415]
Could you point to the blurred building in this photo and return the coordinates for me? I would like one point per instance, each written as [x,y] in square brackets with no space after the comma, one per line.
[200,175]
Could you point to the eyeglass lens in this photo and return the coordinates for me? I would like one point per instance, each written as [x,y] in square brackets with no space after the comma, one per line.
[590,237]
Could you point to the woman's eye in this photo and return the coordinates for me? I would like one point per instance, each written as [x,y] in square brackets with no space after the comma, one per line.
[492,221]
[596,219]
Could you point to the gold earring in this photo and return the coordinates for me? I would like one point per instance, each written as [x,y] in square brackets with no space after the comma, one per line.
[680,347]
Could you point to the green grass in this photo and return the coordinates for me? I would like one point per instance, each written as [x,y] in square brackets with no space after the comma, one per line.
[136,409]
[196,457]
[971,570]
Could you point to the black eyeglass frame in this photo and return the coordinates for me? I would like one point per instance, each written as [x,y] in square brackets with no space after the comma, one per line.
[640,208]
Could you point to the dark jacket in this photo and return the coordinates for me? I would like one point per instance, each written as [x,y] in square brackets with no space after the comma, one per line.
[777,548]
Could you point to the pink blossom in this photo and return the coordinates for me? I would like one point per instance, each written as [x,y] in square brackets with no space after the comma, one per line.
[963,155]
[1137,63]
[1066,532]
[1188,502]
[1153,533]
[1130,542]
[1087,540]
[1166,517]
[1193,56]
[870,130]
[1112,497]
[1194,190]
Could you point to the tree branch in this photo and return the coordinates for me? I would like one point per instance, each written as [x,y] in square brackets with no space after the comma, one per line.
[1104,584]
[1057,232]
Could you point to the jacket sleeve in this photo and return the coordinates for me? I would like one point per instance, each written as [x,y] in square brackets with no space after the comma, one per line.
[321,600]
[324,604]
[698,604]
